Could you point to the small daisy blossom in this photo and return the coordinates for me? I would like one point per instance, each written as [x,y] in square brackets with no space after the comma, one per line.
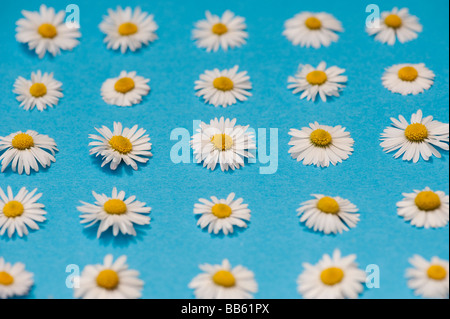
[395,25]
[217,32]
[110,280]
[333,277]
[129,145]
[320,145]
[224,282]
[428,279]
[224,87]
[223,142]
[416,139]
[321,80]
[408,78]
[128,29]
[309,29]
[46,31]
[125,90]
[15,281]
[27,150]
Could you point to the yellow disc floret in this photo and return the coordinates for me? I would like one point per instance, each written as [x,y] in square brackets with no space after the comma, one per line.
[219,28]
[408,74]
[38,89]
[108,279]
[47,30]
[316,77]
[221,210]
[121,144]
[115,207]
[223,83]
[437,272]
[393,21]
[127,28]
[13,209]
[313,23]
[224,278]
[222,142]
[332,276]
[328,205]
[22,141]
[416,132]
[124,85]
[320,138]
[427,201]
[6,279]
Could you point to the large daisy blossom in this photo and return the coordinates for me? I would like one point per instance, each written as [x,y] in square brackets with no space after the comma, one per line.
[14,280]
[125,90]
[408,78]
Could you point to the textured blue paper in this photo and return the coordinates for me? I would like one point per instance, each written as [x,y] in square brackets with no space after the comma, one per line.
[167,253]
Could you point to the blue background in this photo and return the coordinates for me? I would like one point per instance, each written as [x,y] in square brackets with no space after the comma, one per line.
[167,252]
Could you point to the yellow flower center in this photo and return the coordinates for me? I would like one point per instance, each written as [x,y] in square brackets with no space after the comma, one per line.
[115,207]
[221,210]
[219,28]
[408,73]
[127,28]
[13,209]
[108,279]
[437,272]
[38,89]
[328,205]
[124,85]
[222,142]
[316,77]
[427,201]
[6,279]
[22,141]
[320,138]
[224,278]
[47,30]
[121,144]
[223,83]
[332,276]
[393,21]
[313,23]
[416,132]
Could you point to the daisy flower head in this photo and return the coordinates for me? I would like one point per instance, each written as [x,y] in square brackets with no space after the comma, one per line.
[328,214]
[217,32]
[117,212]
[408,78]
[27,150]
[416,139]
[41,91]
[309,29]
[110,280]
[425,208]
[320,145]
[395,25]
[321,80]
[125,90]
[129,145]
[223,88]
[224,282]
[15,281]
[428,279]
[46,31]
[333,277]
[128,29]
[223,142]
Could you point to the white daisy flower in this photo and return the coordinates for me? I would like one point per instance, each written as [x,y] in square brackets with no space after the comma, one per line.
[224,87]
[225,32]
[320,145]
[333,277]
[415,139]
[309,29]
[425,208]
[128,29]
[428,279]
[110,280]
[222,214]
[129,145]
[46,31]
[27,150]
[321,80]
[125,90]
[117,212]
[223,142]
[14,280]
[41,91]
[395,25]
[224,282]
[328,214]
[408,78]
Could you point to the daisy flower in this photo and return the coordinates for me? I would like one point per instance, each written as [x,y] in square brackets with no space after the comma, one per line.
[425,208]
[222,214]
[27,150]
[110,280]
[128,29]
[328,214]
[393,25]
[14,280]
[41,91]
[415,139]
[408,78]
[224,282]
[125,90]
[312,81]
[117,212]
[225,32]
[129,145]
[320,145]
[333,277]
[223,142]
[309,29]
[428,279]
[46,31]
[224,87]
